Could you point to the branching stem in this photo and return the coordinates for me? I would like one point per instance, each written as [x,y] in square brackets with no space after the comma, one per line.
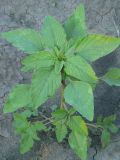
[48,120]
[45,117]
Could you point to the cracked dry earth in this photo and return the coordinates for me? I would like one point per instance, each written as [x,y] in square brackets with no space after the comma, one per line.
[102,16]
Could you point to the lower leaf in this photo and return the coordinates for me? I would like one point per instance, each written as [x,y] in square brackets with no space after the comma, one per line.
[61,131]
[26,143]
[16,98]
[79,95]
[77,124]
[45,83]
[78,142]
[112,77]
[105,138]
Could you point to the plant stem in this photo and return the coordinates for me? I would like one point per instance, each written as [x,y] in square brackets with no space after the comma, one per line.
[47,123]
[45,117]
[94,125]
[62,97]
[62,90]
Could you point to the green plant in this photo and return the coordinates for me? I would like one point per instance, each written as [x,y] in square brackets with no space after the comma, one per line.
[108,127]
[60,57]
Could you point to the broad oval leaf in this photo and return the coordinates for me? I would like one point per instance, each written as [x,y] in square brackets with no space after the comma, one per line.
[77,124]
[113,128]
[59,114]
[78,142]
[45,82]
[61,131]
[20,123]
[38,60]
[27,131]
[109,120]
[105,138]
[75,26]
[27,40]
[26,143]
[38,126]
[59,66]
[53,33]
[19,97]
[32,132]
[95,46]
[77,67]
[112,77]
[79,95]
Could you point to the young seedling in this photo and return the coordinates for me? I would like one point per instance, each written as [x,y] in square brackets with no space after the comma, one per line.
[60,56]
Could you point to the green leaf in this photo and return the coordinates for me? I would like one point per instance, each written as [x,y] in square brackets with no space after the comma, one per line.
[61,131]
[112,77]
[27,40]
[58,66]
[53,33]
[38,126]
[59,114]
[26,143]
[59,119]
[108,123]
[20,123]
[95,46]
[113,128]
[37,61]
[71,111]
[78,139]
[70,49]
[100,120]
[27,131]
[78,142]
[16,99]
[45,83]
[75,26]
[77,124]
[77,67]
[80,96]
[32,132]
[26,113]
[105,138]
[109,120]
